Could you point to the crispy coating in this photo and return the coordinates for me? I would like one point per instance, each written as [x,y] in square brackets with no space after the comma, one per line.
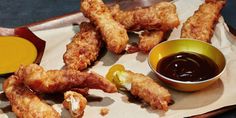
[114,34]
[161,16]
[147,89]
[75,103]
[132,48]
[25,104]
[201,25]
[104,111]
[149,39]
[52,81]
[84,48]
[83,91]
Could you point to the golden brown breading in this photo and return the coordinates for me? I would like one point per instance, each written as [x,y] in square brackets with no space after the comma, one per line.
[83,91]
[132,48]
[149,39]
[52,81]
[201,25]
[161,16]
[151,92]
[25,104]
[75,103]
[84,48]
[141,86]
[114,34]
[104,111]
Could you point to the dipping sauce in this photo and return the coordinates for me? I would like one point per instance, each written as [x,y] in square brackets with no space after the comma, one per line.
[187,66]
[15,51]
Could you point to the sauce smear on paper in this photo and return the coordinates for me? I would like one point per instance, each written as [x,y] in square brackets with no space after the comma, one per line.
[187,66]
[15,51]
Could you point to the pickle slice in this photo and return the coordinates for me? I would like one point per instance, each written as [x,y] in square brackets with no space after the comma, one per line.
[111,75]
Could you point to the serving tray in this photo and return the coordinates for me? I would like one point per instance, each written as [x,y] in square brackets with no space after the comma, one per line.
[51,29]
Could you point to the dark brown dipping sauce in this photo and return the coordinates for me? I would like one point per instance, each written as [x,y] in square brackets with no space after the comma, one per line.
[187,66]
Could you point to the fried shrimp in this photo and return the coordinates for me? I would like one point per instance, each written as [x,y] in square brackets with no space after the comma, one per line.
[75,103]
[201,25]
[161,16]
[52,81]
[140,85]
[25,104]
[149,39]
[84,48]
[114,34]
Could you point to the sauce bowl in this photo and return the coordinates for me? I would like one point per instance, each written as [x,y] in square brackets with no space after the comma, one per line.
[186,45]
[21,33]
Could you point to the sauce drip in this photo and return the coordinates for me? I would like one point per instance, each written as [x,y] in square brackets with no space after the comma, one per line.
[15,51]
[187,66]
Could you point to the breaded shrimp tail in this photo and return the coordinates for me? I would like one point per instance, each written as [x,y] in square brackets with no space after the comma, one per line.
[161,16]
[53,81]
[75,103]
[25,104]
[201,25]
[84,48]
[114,34]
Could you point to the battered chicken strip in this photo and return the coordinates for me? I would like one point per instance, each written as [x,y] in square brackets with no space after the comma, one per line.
[25,104]
[114,34]
[142,86]
[75,103]
[149,39]
[161,16]
[53,81]
[84,48]
[201,25]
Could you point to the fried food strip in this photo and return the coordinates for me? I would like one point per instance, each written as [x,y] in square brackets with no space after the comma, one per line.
[151,92]
[161,16]
[25,104]
[201,25]
[114,34]
[84,48]
[75,103]
[52,81]
[140,85]
[149,39]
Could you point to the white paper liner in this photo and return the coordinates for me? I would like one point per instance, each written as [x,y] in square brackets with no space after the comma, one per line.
[218,95]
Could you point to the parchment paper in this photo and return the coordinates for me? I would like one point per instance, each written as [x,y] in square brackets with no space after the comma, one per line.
[220,94]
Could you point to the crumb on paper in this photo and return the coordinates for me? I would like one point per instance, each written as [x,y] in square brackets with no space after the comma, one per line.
[104,111]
